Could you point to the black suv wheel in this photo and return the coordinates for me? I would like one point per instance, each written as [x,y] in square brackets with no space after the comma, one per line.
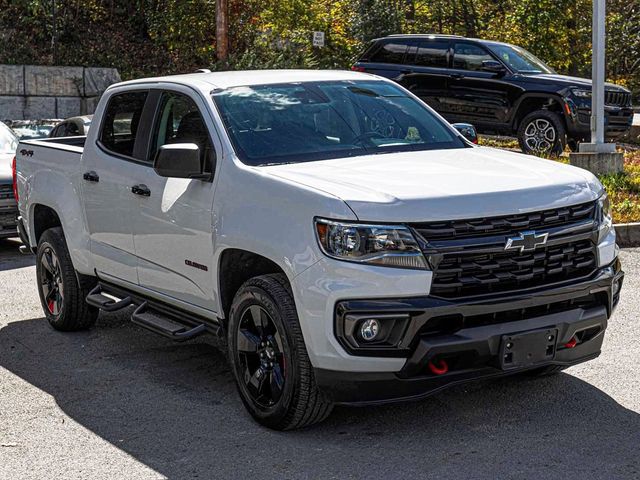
[542,133]
[269,358]
[61,295]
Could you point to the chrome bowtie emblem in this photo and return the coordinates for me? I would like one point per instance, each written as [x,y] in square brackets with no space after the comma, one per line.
[526,241]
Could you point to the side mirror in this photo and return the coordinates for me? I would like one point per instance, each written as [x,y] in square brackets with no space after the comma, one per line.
[468,131]
[179,160]
[493,66]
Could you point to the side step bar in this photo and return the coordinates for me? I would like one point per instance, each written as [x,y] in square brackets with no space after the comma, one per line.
[155,321]
[97,299]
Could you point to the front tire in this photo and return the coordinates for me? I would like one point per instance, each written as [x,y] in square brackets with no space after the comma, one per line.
[269,358]
[542,133]
[61,295]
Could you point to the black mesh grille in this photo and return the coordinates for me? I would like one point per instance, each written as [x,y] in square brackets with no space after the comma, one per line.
[510,224]
[6,191]
[8,219]
[618,99]
[465,274]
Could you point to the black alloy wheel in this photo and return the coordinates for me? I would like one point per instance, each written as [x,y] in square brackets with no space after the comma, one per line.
[51,281]
[261,357]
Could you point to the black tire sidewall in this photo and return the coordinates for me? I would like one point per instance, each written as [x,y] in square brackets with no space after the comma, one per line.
[551,117]
[255,295]
[47,242]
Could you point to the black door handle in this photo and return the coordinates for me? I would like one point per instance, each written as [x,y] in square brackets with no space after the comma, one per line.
[141,189]
[91,176]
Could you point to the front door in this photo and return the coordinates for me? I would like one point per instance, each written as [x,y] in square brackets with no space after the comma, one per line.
[107,198]
[477,96]
[172,227]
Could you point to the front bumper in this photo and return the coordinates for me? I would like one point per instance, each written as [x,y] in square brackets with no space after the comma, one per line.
[473,350]
[618,121]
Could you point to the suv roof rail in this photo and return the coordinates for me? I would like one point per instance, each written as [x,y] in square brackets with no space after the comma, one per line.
[203,70]
[424,35]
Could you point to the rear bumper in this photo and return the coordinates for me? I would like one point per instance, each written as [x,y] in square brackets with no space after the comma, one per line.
[474,352]
[8,221]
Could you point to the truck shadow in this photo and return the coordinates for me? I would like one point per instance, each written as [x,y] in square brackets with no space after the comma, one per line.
[175,409]
[10,256]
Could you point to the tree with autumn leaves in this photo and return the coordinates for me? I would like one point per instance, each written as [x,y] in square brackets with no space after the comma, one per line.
[147,37]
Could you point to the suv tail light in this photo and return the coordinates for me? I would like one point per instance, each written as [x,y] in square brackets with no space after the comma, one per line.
[356,68]
[14,174]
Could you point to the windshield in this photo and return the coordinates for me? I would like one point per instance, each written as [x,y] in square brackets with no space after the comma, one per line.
[8,141]
[299,122]
[519,59]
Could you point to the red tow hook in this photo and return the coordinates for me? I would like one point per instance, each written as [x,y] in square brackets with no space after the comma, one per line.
[440,369]
[571,343]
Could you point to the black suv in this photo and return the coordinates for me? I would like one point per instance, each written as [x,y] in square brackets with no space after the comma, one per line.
[500,88]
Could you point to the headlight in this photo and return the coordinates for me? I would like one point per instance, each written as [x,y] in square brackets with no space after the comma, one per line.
[385,245]
[581,93]
[605,217]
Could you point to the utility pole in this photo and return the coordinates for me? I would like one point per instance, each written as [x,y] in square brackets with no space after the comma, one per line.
[597,156]
[222,30]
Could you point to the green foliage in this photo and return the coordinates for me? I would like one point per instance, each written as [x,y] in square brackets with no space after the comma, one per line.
[147,37]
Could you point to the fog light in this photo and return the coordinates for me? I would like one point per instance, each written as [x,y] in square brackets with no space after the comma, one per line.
[369,329]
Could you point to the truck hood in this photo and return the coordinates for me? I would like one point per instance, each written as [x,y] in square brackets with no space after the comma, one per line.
[444,184]
[566,80]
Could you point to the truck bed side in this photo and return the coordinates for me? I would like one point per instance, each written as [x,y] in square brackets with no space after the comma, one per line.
[49,179]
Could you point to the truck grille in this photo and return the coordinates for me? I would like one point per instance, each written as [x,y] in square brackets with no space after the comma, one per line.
[462,275]
[508,225]
[617,99]
[469,257]
[6,192]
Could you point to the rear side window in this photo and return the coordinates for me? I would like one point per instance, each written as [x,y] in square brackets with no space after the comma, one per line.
[467,56]
[432,54]
[390,52]
[121,121]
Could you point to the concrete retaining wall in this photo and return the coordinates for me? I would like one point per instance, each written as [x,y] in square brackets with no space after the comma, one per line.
[31,92]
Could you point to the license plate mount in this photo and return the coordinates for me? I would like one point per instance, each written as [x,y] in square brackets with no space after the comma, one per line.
[528,348]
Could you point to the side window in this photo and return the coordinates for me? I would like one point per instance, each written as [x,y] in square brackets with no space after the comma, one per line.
[72,130]
[467,56]
[432,54]
[390,52]
[58,131]
[180,121]
[121,121]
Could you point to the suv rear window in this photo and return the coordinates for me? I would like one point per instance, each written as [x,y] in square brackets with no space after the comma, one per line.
[467,56]
[432,54]
[390,52]
[121,121]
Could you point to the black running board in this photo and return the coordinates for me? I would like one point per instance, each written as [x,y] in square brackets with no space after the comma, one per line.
[157,322]
[103,302]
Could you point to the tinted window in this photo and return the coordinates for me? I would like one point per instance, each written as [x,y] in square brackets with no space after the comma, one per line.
[121,122]
[288,123]
[391,52]
[432,54]
[180,121]
[467,56]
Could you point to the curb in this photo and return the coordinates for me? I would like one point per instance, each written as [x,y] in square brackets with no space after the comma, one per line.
[628,234]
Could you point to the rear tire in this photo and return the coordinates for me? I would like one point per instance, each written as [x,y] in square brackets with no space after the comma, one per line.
[542,133]
[61,295]
[269,358]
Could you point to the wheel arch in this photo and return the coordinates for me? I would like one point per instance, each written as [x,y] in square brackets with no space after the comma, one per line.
[537,101]
[236,266]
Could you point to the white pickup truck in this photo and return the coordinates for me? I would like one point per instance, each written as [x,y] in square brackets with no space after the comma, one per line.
[348,244]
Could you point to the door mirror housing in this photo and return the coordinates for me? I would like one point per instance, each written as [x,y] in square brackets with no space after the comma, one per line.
[468,131]
[179,160]
[493,66]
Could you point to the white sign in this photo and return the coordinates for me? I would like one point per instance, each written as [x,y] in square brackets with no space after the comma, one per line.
[318,39]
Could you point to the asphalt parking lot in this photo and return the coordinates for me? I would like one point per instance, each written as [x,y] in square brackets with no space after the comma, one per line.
[117,402]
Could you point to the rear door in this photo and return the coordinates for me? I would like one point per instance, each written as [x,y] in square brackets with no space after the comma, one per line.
[428,72]
[172,225]
[477,96]
[387,59]
[107,169]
